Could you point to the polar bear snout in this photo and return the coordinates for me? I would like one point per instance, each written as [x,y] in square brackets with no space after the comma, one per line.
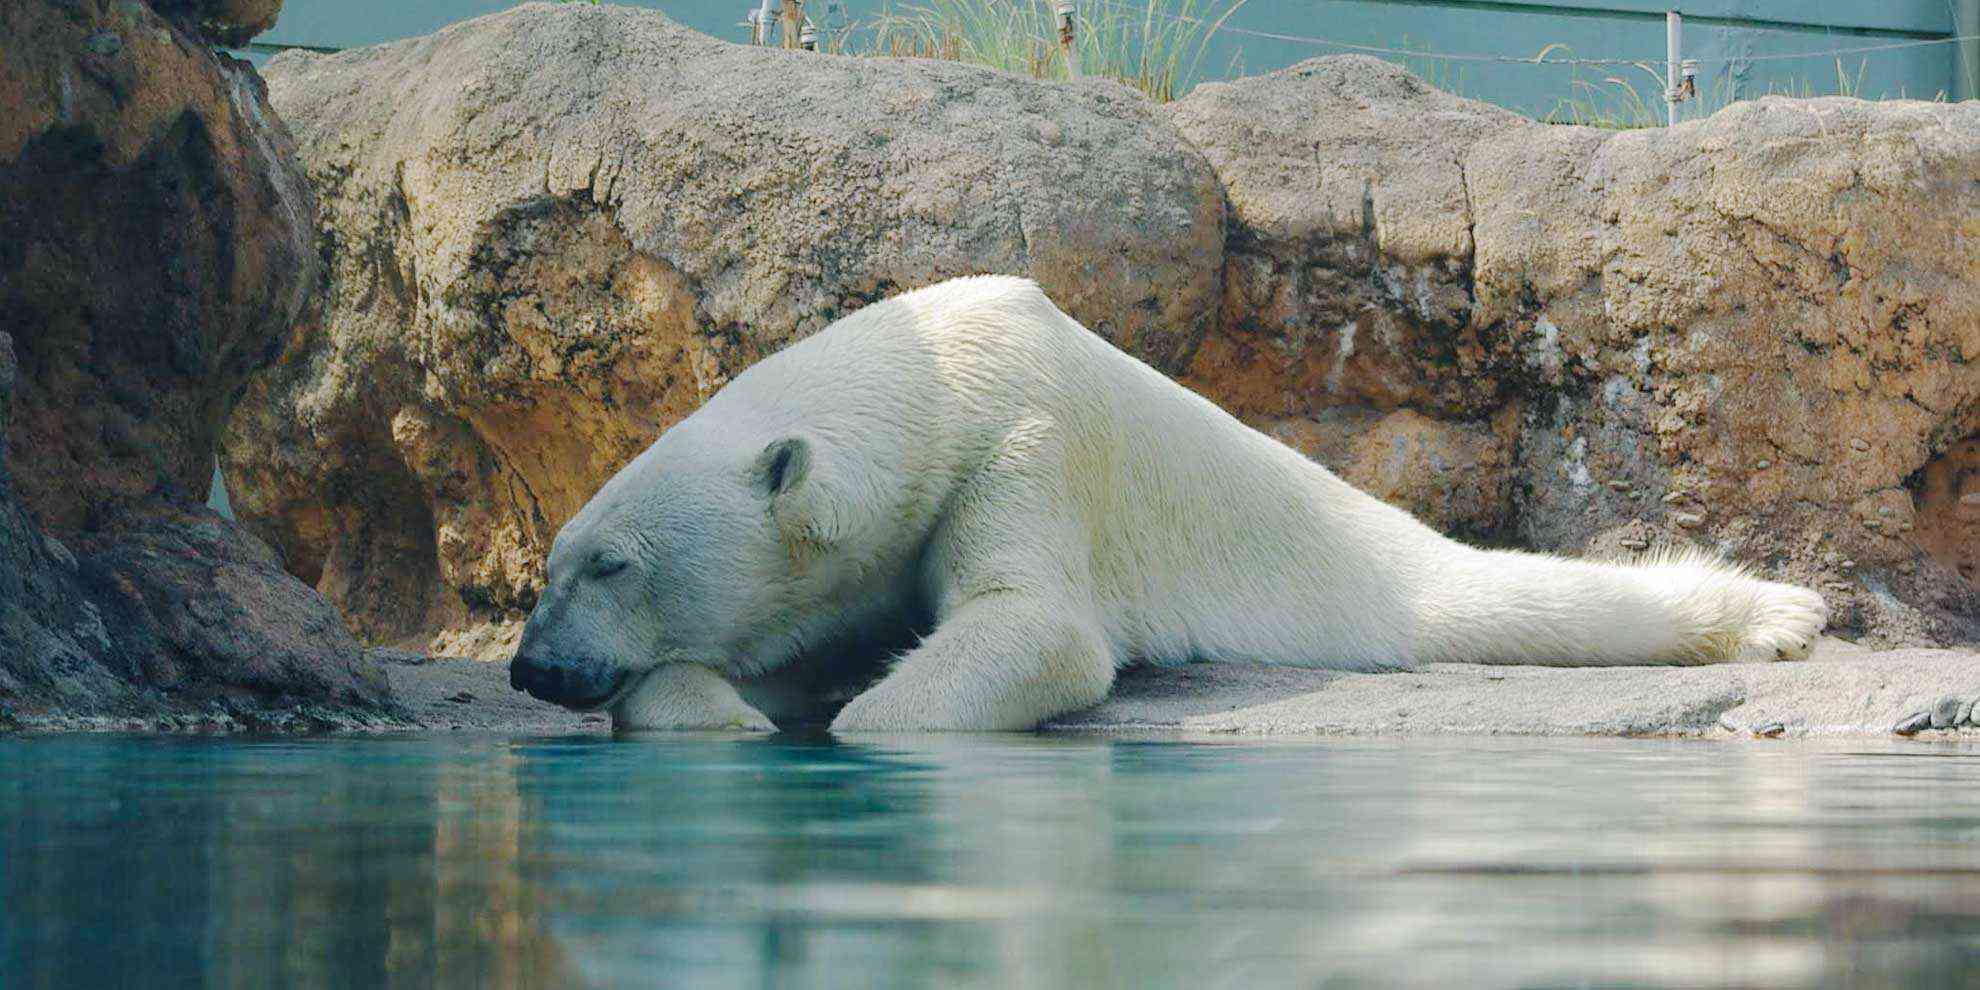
[576,684]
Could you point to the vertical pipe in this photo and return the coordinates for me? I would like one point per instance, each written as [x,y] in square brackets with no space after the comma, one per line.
[1068,20]
[759,31]
[1966,65]
[1673,61]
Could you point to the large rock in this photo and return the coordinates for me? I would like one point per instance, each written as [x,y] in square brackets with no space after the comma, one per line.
[182,620]
[155,248]
[555,231]
[224,22]
[1756,329]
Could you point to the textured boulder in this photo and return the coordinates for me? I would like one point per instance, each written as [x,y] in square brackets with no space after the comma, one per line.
[1455,476]
[50,632]
[181,620]
[207,607]
[225,22]
[1755,330]
[155,248]
[554,231]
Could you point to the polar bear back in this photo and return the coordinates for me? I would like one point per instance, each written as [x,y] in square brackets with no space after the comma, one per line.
[1202,537]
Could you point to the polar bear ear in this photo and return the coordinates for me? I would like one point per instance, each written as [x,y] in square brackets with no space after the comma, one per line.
[780,475]
[782,466]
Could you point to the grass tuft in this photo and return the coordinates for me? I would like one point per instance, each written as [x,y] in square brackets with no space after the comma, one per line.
[1155,46]
[1616,102]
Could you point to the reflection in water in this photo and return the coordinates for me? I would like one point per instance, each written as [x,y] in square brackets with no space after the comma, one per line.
[971,861]
[173,862]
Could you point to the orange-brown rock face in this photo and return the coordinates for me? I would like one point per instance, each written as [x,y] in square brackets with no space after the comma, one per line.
[155,247]
[1455,476]
[1947,509]
[555,231]
[1754,330]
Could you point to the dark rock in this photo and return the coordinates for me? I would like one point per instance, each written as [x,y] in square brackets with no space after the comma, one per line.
[1945,714]
[155,250]
[213,612]
[173,618]
[1913,724]
[223,22]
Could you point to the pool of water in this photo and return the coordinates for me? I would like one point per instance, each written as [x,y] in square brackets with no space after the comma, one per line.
[1001,861]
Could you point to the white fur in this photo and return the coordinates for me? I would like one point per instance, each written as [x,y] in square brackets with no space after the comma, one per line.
[1062,509]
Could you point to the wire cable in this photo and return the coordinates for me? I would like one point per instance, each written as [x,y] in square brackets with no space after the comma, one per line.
[1540,59]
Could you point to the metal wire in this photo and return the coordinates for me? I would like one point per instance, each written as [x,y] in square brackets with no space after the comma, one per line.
[1540,59]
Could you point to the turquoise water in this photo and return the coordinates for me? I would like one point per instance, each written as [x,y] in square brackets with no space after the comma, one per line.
[1009,861]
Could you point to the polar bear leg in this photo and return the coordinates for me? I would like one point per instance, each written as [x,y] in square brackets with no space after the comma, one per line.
[686,696]
[1019,642]
[1003,661]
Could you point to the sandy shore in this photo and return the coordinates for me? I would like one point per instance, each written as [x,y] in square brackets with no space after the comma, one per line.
[1843,690]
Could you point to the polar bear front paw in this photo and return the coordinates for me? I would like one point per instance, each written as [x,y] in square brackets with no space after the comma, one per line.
[686,697]
[888,706]
[917,704]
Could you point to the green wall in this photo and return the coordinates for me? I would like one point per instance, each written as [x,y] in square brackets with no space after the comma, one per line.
[1714,30]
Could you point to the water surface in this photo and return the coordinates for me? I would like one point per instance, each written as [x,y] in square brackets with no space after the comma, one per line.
[998,861]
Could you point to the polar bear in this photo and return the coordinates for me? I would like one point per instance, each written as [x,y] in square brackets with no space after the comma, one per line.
[967,460]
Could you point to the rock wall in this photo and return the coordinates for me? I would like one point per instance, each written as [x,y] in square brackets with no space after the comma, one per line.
[181,620]
[155,248]
[554,231]
[1755,331]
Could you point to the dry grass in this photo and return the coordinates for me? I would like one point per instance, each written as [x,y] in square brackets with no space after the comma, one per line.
[1616,102]
[1156,46]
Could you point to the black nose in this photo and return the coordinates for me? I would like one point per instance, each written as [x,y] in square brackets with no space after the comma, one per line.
[573,684]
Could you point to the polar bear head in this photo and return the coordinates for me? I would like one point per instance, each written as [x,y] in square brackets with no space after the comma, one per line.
[701,550]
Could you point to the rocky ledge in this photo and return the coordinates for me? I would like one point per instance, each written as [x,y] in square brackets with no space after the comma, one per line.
[1843,690]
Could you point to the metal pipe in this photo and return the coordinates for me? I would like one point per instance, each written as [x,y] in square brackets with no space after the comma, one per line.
[1966,64]
[759,25]
[1068,40]
[1673,62]
[829,19]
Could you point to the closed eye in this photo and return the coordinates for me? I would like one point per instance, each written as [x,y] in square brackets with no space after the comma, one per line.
[608,566]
